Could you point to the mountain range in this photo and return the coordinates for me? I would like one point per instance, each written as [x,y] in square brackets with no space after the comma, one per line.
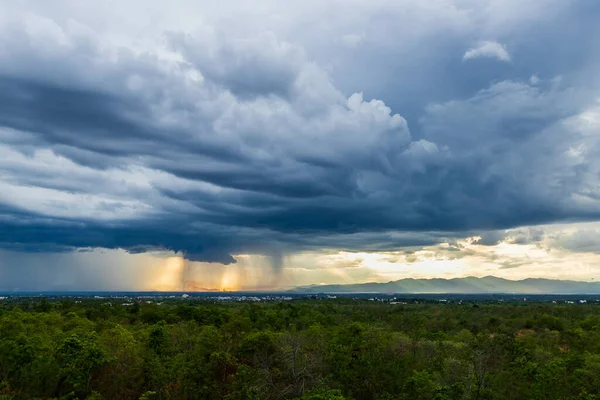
[474,285]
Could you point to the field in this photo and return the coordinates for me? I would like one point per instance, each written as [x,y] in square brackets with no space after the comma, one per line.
[275,347]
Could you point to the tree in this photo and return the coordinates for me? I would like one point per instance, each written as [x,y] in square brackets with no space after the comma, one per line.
[323,394]
[79,358]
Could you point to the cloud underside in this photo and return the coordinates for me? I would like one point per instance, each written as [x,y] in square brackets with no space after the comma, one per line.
[212,142]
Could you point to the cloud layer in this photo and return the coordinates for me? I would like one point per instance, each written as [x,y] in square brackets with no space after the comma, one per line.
[257,131]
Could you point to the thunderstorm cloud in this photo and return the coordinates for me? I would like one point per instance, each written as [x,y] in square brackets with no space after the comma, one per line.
[217,129]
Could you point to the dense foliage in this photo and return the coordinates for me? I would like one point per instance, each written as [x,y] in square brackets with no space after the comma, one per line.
[307,349]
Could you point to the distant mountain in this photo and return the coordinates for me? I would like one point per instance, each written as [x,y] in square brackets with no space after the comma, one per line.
[488,284]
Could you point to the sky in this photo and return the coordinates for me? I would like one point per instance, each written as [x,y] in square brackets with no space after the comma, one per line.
[196,145]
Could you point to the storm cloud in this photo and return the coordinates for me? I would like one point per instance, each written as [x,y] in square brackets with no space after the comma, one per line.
[220,130]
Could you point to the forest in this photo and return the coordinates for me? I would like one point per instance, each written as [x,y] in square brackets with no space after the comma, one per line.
[309,349]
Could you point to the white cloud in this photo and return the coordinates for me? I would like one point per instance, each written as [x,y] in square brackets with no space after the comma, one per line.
[488,49]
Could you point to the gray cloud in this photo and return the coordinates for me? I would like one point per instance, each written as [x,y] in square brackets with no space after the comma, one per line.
[227,139]
[585,239]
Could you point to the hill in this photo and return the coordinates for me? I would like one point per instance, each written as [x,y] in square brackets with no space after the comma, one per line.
[488,284]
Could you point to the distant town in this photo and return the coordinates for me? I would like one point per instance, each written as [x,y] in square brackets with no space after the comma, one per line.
[130,298]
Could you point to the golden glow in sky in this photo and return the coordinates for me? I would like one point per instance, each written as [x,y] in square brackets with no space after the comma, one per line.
[509,259]
[169,277]
[230,280]
[558,252]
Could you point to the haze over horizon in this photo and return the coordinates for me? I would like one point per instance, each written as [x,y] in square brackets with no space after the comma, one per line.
[261,145]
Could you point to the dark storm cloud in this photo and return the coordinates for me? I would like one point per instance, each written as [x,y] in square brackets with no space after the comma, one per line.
[221,144]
